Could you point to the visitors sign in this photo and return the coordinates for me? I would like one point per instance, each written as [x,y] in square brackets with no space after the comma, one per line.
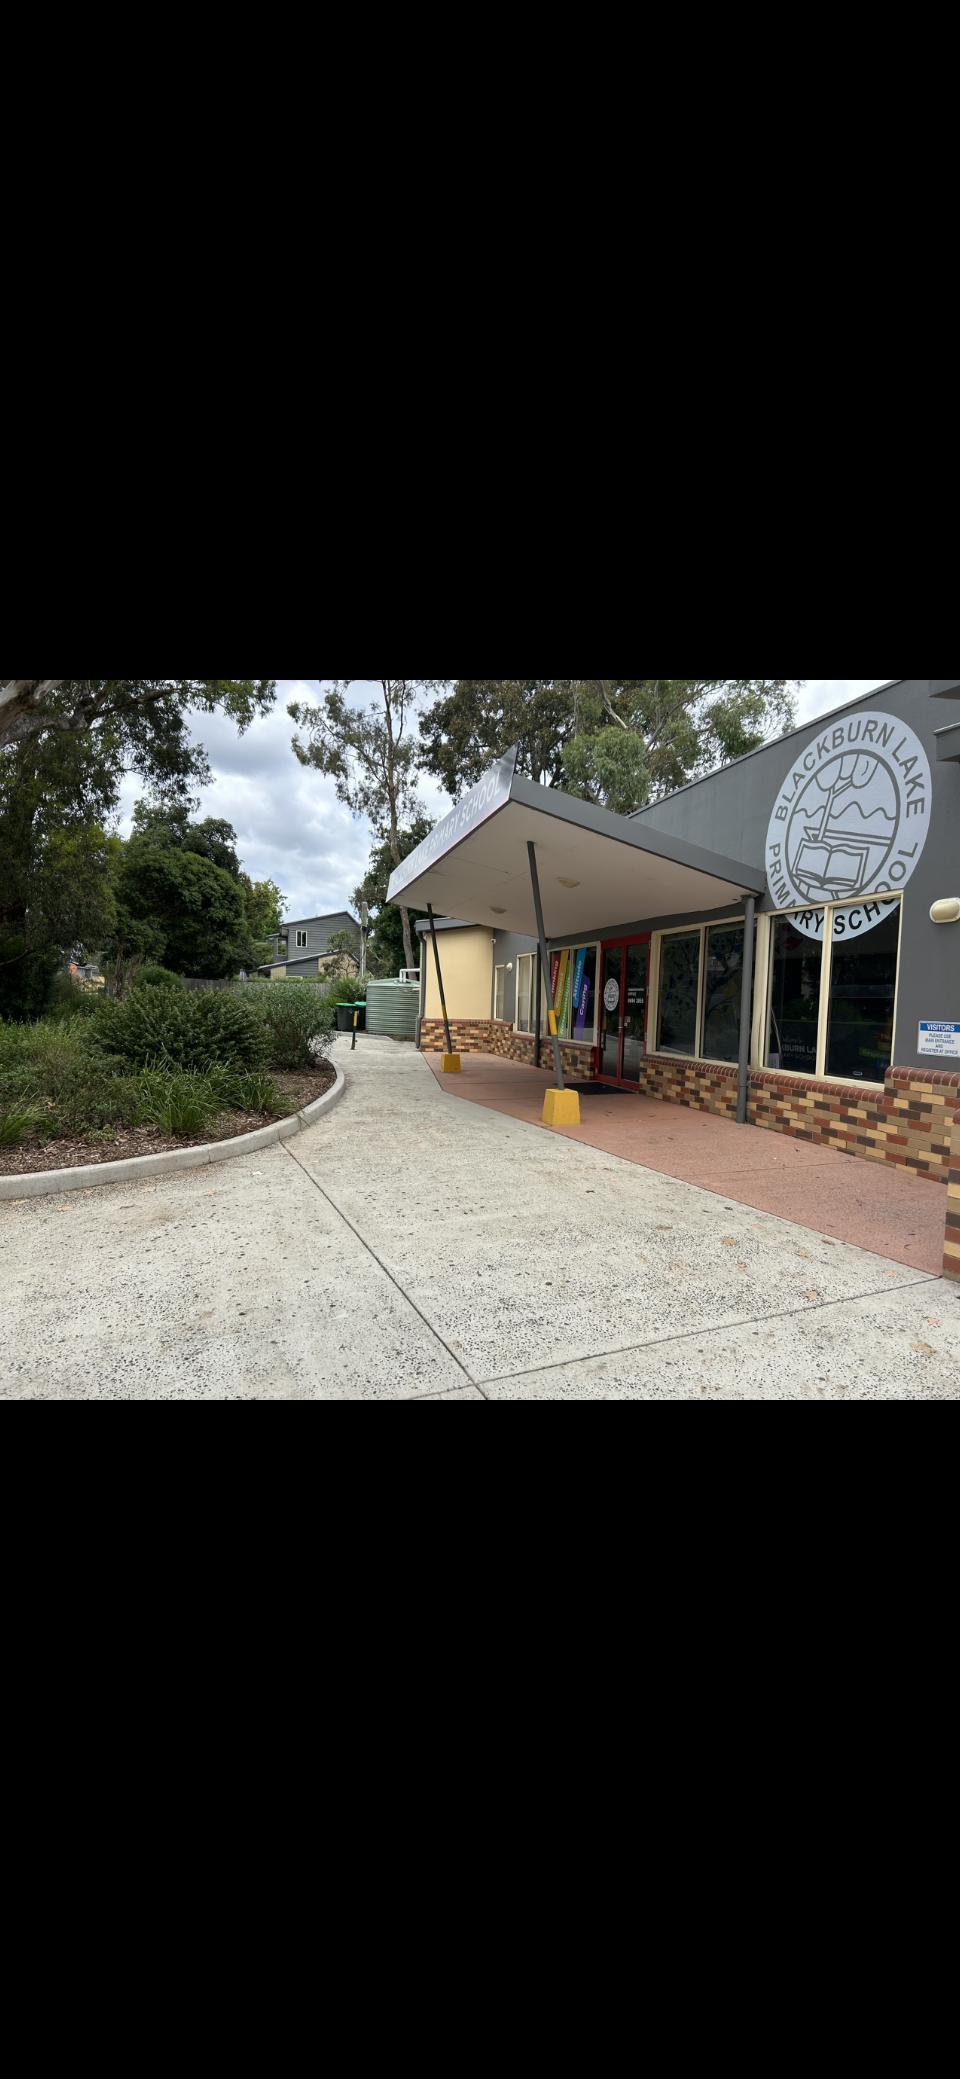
[939,1036]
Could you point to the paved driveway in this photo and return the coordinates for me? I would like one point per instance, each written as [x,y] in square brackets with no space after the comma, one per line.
[413,1246]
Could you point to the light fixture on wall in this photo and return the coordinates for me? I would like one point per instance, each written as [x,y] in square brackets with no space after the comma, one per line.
[567,884]
[947,911]
[495,912]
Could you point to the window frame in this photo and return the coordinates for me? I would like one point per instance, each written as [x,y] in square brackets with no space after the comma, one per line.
[819,1074]
[570,947]
[760,1022]
[301,940]
[526,1029]
[653,991]
[500,987]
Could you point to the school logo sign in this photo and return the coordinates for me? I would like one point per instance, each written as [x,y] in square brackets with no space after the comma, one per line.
[850,820]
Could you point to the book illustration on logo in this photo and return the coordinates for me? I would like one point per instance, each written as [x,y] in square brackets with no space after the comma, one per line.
[845,821]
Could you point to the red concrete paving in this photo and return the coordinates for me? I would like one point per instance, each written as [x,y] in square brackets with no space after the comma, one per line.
[868,1203]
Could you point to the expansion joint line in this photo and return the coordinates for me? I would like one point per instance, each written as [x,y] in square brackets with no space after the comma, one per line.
[387,1272]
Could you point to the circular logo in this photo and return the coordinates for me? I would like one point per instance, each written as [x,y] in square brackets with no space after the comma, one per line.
[850,821]
[611,994]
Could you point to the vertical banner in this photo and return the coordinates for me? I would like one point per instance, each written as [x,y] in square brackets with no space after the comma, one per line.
[559,989]
[554,971]
[579,958]
[565,1003]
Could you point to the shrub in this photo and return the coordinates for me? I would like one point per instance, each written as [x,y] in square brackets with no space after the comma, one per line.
[184,1102]
[70,1001]
[159,978]
[299,1022]
[15,1121]
[27,980]
[159,1027]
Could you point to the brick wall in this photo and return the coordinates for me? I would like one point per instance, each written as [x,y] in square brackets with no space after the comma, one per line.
[907,1123]
[951,1240]
[497,1036]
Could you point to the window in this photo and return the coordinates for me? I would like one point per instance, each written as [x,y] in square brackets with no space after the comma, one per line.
[796,963]
[526,987]
[832,987]
[499,986]
[863,983]
[573,988]
[301,938]
[700,991]
[722,992]
[679,992]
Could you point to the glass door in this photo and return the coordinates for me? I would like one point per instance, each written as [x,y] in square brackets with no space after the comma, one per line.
[634,1013]
[610,1012]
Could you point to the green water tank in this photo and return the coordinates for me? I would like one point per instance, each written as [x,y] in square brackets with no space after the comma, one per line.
[392,1008]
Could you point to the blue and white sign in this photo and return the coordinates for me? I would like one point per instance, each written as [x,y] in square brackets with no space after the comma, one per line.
[851,819]
[939,1036]
[483,800]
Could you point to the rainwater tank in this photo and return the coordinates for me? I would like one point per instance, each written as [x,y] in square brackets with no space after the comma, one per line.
[392,1008]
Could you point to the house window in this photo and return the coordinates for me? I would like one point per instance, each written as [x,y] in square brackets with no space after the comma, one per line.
[301,938]
[499,989]
[832,990]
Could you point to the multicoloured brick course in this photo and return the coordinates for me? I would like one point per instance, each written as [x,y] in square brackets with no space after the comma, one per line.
[907,1123]
[951,1240]
[496,1036]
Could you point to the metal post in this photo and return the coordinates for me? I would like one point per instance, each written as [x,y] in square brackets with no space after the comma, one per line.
[743,1067]
[443,1007]
[551,1013]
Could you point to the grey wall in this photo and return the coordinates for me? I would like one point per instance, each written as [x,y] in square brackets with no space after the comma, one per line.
[729,812]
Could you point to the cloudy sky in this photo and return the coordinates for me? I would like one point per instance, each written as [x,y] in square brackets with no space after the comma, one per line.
[290,826]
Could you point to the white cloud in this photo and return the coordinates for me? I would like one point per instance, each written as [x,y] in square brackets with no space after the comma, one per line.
[818,696]
[290,826]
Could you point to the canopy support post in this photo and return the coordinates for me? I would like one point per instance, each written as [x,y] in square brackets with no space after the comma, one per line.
[561,1107]
[449,1055]
[743,1065]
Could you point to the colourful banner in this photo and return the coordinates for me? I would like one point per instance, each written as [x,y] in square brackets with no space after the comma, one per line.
[581,955]
[582,1008]
[554,971]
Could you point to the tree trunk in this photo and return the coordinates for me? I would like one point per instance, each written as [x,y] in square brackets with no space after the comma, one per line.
[407,941]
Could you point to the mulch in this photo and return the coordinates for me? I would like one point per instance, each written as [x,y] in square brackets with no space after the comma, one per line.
[29,1156]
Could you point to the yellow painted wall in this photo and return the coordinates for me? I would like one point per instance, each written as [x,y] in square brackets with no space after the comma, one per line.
[466,961]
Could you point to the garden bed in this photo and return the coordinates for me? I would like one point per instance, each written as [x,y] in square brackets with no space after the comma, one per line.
[32,1155]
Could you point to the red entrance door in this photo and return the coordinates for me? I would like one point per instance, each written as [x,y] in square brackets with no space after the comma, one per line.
[623,1009]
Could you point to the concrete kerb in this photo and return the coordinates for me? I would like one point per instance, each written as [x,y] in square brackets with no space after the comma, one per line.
[41,1182]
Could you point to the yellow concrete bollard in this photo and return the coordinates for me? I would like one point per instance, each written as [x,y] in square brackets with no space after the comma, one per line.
[561,1108]
[450,1064]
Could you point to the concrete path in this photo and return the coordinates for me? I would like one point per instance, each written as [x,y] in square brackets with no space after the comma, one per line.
[416,1246]
[870,1203]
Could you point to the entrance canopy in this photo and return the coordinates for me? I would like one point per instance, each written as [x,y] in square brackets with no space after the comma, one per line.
[593,866]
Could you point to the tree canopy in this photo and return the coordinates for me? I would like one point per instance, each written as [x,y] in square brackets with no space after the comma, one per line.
[370,754]
[618,742]
[65,745]
[386,950]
